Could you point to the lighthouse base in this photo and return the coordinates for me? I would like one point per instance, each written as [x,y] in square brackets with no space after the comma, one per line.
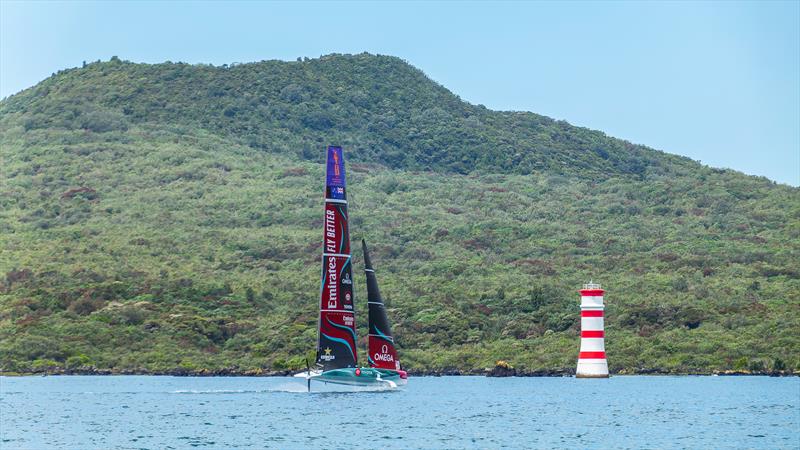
[583,375]
[592,369]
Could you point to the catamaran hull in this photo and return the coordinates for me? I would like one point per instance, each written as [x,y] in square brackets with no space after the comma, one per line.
[362,377]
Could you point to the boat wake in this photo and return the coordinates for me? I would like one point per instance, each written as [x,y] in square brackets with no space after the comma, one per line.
[295,388]
[216,391]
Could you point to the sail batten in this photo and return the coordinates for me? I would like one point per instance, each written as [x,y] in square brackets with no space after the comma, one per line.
[336,344]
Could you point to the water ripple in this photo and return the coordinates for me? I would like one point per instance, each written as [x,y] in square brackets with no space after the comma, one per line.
[442,412]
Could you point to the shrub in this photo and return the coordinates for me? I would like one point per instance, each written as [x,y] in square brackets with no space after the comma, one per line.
[77,361]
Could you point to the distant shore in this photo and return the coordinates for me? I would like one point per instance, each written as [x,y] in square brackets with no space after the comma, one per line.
[231,372]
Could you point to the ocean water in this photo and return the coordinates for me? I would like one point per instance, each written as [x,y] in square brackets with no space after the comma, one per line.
[146,412]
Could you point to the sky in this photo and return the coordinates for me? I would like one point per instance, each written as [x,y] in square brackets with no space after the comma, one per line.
[718,82]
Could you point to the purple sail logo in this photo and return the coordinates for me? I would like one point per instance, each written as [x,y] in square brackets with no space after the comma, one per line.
[335,186]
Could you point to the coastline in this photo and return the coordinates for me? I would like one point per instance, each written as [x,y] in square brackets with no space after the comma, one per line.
[487,372]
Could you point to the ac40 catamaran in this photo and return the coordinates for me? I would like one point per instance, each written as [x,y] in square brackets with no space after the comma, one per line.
[337,357]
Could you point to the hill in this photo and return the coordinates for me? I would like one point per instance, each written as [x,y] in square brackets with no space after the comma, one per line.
[167,217]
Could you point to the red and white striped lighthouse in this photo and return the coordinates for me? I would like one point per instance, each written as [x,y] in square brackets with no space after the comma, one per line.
[592,359]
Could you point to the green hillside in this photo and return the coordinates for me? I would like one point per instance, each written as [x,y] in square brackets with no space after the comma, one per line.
[169,217]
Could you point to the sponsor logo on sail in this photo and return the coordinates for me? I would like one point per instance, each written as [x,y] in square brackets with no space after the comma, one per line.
[332,288]
[336,170]
[330,231]
[384,355]
[327,356]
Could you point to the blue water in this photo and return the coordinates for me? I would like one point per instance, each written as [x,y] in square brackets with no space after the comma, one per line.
[448,412]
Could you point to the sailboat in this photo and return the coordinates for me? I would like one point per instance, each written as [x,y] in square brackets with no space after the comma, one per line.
[337,356]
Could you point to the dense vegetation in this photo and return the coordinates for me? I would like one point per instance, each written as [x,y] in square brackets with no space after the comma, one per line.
[169,217]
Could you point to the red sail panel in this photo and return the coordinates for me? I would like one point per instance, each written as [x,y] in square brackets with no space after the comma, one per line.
[336,238]
[337,339]
[382,353]
[337,283]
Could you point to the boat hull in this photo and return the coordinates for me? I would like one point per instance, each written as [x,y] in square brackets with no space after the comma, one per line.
[366,377]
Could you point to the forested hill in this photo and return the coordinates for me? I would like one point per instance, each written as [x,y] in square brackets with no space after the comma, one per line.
[378,107]
[168,218]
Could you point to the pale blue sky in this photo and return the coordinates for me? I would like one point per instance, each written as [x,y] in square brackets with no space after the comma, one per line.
[717,82]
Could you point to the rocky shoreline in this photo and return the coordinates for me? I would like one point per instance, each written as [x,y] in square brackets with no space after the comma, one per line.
[499,371]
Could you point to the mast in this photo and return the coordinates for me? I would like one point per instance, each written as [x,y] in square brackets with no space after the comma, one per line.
[336,343]
[382,353]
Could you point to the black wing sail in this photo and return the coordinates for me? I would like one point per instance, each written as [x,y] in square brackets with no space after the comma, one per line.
[382,352]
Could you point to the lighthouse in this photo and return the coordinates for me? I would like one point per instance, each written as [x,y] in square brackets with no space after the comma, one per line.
[592,358]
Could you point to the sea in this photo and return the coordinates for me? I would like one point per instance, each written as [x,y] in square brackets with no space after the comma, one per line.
[159,412]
